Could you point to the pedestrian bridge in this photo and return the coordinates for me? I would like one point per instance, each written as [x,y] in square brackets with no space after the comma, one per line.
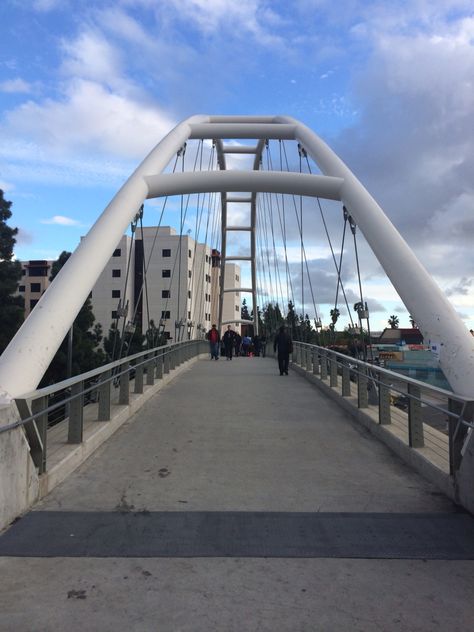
[229,497]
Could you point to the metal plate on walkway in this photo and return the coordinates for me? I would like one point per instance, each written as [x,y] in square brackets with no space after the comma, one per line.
[445,536]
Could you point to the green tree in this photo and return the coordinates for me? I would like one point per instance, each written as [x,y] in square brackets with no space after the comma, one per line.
[11,307]
[86,354]
[393,321]
[293,321]
[244,311]
[272,318]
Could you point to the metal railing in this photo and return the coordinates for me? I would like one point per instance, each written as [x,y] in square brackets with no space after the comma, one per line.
[425,417]
[101,389]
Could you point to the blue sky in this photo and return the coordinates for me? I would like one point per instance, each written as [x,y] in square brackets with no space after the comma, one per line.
[88,88]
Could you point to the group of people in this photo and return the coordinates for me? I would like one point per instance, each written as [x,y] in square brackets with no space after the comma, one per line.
[234,344]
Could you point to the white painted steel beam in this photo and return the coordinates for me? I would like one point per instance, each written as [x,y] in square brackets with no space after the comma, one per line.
[243,130]
[238,181]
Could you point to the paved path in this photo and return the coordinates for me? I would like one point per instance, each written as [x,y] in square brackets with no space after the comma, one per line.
[237,437]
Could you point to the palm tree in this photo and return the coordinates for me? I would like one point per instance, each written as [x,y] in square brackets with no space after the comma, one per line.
[412,322]
[393,321]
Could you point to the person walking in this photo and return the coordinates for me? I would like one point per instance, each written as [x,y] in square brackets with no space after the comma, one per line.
[284,345]
[214,339]
[238,342]
[229,341]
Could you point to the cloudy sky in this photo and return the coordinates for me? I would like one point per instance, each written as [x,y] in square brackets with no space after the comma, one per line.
[88,88]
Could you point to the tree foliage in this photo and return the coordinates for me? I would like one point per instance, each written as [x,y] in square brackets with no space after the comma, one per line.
[11,307]
[393,321]
[87,336]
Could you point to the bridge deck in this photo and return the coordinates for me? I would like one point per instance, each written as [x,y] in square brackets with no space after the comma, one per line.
[236,437]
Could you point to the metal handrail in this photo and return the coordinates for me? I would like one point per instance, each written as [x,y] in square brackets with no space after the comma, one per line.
[99,371]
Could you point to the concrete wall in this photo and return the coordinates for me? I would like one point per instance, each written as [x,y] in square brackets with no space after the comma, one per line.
[19,482]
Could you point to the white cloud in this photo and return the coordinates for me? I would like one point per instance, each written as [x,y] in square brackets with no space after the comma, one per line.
[61,220]
[15,86]
[90,118]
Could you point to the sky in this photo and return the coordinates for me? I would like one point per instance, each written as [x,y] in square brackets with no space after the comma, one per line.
[87,89]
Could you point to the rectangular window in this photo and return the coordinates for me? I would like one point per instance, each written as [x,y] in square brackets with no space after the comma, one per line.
[189,273]
[114,315]
[207,258]
[117,252]
[33,302]
[236,277]
[115,293]
[166,274]
[236,308]
[116,273]
[21,288]
[189,293]
[165,294]
[189,315]
[165,314]
[23,272]
[189,254]
[166,252]
[35,287]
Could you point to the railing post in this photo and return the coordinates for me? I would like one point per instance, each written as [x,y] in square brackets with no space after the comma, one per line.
[324,365]
[308,359]
[150,370]
[139,378]
[333,368]
[346,380]
[166,361]
[384,404]
[37,405]
[172,355]
[103,413]
[362,395]
[457,432]
[415,418]
[124,393]
[159,366]
[315,362]
[76,414]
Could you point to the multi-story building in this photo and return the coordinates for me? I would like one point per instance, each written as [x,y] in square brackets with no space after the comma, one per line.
[34,281]
[176,292]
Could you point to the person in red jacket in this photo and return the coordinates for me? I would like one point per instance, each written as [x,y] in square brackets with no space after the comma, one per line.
[214,340]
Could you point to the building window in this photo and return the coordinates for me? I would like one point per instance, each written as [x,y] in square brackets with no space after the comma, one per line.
[189,254]
[189,273]
[165,314]
[237,293]
[23,272]
[166,274]
[115,293]
[237,277]
[38,268]
[114,315]
[21,288]
[33,302]
[166,252]
[35,287]
[189,315]
[165,294]
[117,252]
[189,293]
[116,273]
[237,308]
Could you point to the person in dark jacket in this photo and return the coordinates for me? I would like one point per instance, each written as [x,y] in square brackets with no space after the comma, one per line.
[284,345]
[229,341]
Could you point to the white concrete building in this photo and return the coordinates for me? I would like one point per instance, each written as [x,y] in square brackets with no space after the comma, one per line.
[177,292]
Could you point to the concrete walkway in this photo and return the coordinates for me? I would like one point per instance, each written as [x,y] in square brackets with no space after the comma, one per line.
[235,436]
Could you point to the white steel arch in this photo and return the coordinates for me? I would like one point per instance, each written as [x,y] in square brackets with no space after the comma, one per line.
[28,355]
